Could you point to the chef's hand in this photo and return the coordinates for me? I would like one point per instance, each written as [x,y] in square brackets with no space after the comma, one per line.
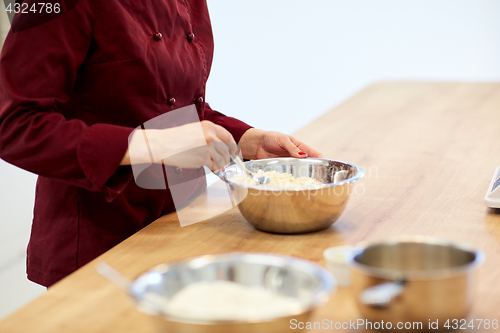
[188,146]
[258,144]
[220,145]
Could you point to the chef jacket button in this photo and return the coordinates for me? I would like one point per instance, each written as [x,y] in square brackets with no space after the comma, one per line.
[157,36]
[190,36]
[171,101]
[199,99]
[177,170]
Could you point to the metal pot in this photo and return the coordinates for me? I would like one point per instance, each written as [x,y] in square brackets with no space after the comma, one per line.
[414,284]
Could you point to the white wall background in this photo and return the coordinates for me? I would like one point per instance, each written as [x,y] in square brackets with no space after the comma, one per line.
[281,63]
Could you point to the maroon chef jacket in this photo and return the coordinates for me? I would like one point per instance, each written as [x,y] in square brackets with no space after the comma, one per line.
[72,89]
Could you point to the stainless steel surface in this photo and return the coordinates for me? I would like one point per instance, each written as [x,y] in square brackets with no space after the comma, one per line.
[295,210]
[289,276]
[259,180]
[436,276]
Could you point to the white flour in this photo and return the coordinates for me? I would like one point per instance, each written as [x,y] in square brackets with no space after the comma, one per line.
[225,300]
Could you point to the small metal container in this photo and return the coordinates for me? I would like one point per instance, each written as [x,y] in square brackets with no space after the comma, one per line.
[414,280]
[289,276]
[299,209]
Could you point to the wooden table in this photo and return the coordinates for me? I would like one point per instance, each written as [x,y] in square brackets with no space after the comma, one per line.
[429,151]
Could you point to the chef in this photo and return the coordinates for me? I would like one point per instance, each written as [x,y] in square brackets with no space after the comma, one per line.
[73,87]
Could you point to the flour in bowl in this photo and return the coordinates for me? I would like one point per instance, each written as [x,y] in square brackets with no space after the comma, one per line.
[225,300]
[277,179]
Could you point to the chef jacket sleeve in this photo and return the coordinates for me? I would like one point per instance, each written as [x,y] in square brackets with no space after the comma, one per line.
[232,125]
[38,68]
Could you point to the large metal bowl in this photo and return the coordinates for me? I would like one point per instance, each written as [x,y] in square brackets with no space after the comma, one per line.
[289,276]
[295,210]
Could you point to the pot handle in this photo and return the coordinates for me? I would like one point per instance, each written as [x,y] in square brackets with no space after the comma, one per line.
[381,295]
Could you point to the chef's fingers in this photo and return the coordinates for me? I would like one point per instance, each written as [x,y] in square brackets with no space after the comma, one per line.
[294,151]
[217,158]
[207,157]
[234,149]
[306,149]
[227,137]
[216,133]
[223,149]
[310,151]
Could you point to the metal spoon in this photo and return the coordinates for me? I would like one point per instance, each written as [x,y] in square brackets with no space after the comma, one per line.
[152,301]
[259,180]
[113,275]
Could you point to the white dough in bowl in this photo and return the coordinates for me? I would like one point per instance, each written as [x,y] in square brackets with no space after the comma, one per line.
[277,179]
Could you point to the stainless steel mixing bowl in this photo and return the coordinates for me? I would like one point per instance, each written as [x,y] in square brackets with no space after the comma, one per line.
[415,281]
[295,210]
[293,277]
